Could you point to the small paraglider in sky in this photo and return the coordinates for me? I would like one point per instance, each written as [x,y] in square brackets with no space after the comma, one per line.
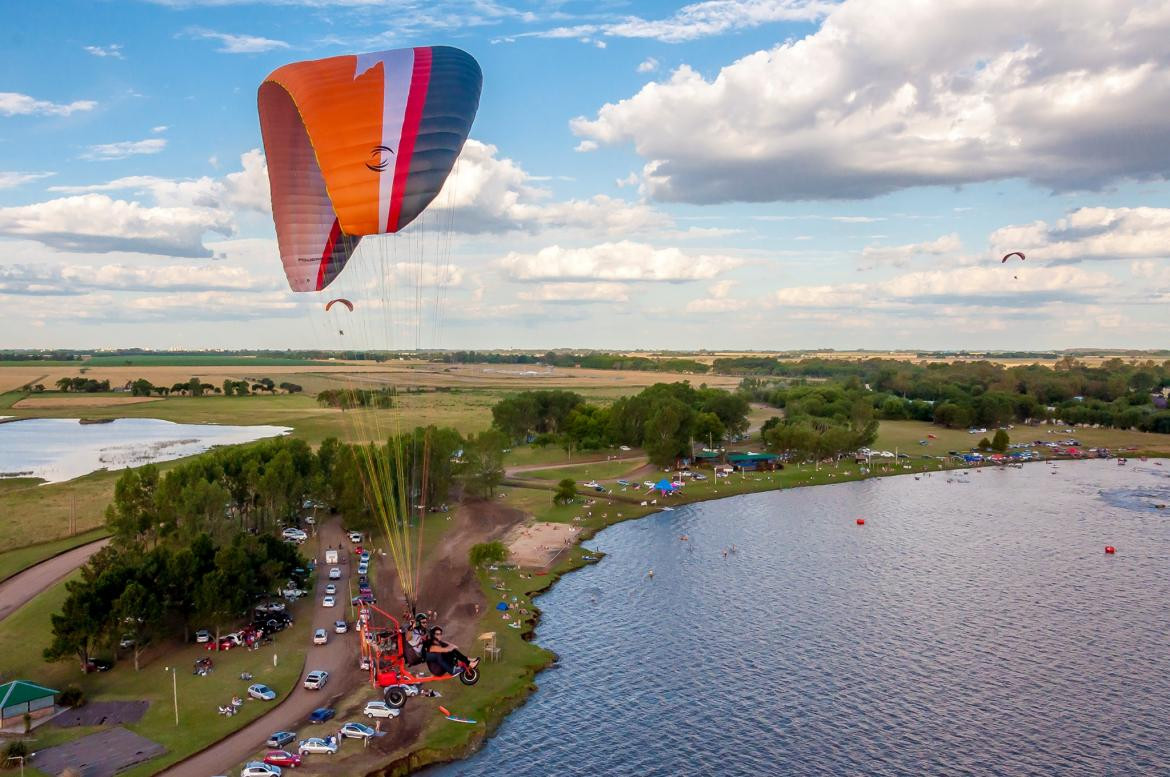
[343,301]
[1009,256]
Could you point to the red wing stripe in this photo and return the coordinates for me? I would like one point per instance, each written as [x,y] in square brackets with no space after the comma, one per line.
[415,101]
[327,254]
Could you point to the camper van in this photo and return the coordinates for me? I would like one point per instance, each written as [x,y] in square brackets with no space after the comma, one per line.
[331,556]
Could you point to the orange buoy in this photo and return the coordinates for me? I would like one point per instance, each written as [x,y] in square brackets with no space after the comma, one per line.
[1110,549]
[861,522]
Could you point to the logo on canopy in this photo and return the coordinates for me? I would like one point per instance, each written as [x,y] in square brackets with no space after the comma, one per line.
[379,158]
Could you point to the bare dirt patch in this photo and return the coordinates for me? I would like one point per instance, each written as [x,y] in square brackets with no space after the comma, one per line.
[537,544]
[103,713]
[80,400]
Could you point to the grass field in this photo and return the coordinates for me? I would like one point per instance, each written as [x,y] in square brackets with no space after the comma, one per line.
[904,435]
[599,470]
[14,561]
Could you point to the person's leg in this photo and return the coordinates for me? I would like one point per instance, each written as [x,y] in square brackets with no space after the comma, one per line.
[458,656]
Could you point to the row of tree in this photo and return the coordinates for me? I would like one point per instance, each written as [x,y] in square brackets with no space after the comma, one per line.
[664,419]
[980,394]
[128,594]
[345,398]
[584,359]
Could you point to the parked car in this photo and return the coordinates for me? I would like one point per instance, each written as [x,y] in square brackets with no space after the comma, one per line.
[355,537]
[320,637]
[357,731]
[331,589]
[316,679]
[328,601]
[321,714]
[328,745]
[364,599]
[699,476]
[280,739]
[202,636]
[340,627]
[334,573]
[282,758]
[261,692]
[380,709]
[260,769]
[97,665]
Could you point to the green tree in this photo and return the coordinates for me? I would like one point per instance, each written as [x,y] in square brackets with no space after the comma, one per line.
[566,492]
[138,612]
[667,432]
[484,467]
[141,388]
[487,553]
[984,444]
[707,429]
[1000,441]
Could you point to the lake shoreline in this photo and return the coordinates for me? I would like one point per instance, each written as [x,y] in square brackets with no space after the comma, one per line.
[422,756]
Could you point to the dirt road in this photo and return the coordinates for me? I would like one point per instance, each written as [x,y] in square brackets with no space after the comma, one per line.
[338,657]
[18,590]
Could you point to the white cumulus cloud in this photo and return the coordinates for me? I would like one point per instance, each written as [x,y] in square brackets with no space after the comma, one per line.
[621,261]
[577,292]
[238,44]
[125,148]
[1090,233]
[16,104]
[940,93]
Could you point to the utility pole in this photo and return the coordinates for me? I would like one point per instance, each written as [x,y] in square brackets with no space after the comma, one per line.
[175,687]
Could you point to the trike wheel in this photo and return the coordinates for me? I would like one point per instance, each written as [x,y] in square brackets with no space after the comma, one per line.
[469,676]
[395,697]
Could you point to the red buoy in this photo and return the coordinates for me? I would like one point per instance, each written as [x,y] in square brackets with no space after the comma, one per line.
[861,522]
[1110,549]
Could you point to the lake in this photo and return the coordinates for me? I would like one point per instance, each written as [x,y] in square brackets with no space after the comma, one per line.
[58,449]
[974,626]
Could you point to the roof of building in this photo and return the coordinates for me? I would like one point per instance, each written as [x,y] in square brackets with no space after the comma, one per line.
[741,457]
[22,691]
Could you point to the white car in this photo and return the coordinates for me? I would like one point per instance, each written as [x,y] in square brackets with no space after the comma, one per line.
[293,533]
[380,709]
[334,573]
[317,745]
[340,627]
[320,637]
[310,520]
[328,601]
[202,636]
[261,692]
[331,589]
[355,537]
[363,568]
[357,731]
[316,679]
[624,448]
[260,769]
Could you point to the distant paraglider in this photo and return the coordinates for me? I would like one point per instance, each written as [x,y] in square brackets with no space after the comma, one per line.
[1009,256]
[329,305]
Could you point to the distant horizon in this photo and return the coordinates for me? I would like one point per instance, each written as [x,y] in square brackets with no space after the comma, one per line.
[1086,350]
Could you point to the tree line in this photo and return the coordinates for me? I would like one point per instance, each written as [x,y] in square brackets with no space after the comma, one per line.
[585,359]
[1125,395]
[664,419]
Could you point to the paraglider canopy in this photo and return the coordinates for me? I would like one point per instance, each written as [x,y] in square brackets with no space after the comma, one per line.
[360,145]
[502,606]
[665,485]
[1013,253]
[332,302]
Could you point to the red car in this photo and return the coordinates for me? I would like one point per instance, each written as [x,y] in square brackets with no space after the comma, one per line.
[282,758]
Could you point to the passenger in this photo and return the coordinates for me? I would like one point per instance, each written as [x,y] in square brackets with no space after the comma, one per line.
[415,652]
[443,657]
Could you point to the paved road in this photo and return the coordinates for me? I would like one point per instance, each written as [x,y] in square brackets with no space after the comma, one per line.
[339,658]
[18,590]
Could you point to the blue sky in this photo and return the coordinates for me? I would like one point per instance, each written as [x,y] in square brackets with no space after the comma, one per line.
[728,174]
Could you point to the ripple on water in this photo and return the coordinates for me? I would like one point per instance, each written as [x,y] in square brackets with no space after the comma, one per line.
[966,629]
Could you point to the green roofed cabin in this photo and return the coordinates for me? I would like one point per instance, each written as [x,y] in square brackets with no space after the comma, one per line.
[750,462]
[18,698]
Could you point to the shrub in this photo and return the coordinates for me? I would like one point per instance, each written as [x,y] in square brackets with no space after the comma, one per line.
[16,748]
[487,553]
[72,696]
